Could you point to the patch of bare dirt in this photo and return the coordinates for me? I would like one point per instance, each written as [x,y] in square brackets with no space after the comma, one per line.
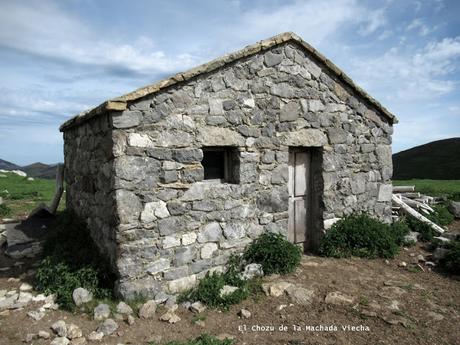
[391,305]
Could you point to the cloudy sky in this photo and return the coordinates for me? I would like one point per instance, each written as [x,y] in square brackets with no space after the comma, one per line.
[58,58]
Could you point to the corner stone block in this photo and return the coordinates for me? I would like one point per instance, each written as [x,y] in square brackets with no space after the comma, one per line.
[126,119]
[128,206]
[385,192]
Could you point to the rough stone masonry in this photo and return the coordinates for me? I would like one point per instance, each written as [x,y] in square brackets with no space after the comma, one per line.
[134,169]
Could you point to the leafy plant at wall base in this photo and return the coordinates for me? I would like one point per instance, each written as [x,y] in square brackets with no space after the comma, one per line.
[208,291]
[56,277]
[274,253]
[72,260]
[359,235]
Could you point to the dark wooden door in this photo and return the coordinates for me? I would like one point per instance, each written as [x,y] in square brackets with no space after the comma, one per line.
[299,195]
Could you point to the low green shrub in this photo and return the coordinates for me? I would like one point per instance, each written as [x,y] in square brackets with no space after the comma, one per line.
[56,277]
[72,260]
[274,253]
[441,215]
[400,229]
[451,262]
[360,235]
[203,339]
[4,210]
[426,232]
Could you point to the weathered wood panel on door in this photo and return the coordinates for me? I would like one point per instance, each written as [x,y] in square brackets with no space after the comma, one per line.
[299,195]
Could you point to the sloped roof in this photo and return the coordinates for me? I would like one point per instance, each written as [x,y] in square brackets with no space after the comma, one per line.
[121,103]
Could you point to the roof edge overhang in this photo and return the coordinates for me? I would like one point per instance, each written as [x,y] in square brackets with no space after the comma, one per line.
[121,103]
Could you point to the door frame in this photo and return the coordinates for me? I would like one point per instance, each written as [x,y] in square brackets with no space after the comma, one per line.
[314,199]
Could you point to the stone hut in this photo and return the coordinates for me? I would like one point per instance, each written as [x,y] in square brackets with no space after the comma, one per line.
[174,177]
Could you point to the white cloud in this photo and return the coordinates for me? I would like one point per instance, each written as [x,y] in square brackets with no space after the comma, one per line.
[374,20]
[418,25]
[39,104]
[423,74]
[42,28]
[315,21]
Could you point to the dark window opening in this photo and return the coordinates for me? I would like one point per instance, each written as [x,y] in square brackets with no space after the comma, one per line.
[220,164]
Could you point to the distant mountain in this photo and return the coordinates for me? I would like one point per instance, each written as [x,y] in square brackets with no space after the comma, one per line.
[438,160]
[39,170]
[8,165]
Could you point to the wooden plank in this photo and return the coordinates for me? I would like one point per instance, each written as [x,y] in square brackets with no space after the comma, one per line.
[410,211]
[403,189]
[411,195]
[291,173]
[301,174]
[291,221]
[300,220]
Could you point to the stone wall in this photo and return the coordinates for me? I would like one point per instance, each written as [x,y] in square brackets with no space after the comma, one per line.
[173,226]
[89,180]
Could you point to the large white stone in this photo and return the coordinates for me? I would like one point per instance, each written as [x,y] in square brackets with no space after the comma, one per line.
[154,210]
[385,192]
[218,136]
[81,296]
[207,250]
[329,222]
[182,284]
[305,137]
[188,238]
[139,140]
[215,107]
[170,242]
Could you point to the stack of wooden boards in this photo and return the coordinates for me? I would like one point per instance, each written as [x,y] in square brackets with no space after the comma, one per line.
[413,204]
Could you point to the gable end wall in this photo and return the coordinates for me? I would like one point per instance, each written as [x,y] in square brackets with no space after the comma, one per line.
[173,227]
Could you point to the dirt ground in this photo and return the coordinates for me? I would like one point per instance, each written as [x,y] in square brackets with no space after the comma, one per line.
[392,305]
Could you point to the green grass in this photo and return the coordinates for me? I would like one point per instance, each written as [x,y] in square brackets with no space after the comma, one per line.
[21,196]
[432,187]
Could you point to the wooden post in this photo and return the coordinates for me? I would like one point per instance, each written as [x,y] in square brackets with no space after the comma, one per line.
[59,188]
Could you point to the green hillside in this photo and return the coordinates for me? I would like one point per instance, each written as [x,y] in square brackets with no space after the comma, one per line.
[438,160]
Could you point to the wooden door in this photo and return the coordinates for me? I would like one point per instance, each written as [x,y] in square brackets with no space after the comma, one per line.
[299,195]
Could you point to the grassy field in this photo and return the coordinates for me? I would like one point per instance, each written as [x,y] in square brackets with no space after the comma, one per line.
[21,196]
[432,187]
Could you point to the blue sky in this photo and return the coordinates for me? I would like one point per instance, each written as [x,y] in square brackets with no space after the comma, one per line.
[58,58]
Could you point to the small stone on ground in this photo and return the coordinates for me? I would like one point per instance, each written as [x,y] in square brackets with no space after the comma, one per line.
[147,310]
[108,327]
[244,314]
[101,312]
